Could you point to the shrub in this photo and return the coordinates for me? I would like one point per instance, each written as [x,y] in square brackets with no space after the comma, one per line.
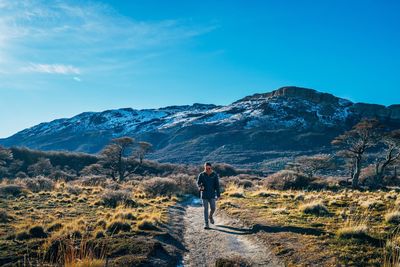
[287,179]
[158,186]
[60,174]
[21,174]
[393,217]
[316,208]
[38,184]
[224,169]
[117,226]
[37,232]
[367,175]
[74,189]
[99,234]
[4,216]
[10,190]
[234,261]
[246,183]
[93,180]
[112,198]
[186,183]
[22,235]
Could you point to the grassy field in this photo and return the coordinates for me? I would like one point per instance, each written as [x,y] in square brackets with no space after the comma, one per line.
[122,224]
[75,224]
[321,227]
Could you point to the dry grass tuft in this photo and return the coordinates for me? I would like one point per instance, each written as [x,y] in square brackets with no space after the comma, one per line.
[393,217]
[234,190]
[316,208]
[355,231]
[118,226]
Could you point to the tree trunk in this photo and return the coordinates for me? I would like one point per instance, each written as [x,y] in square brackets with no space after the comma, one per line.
[356,174]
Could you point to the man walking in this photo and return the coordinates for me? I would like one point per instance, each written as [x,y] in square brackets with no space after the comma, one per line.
[208,183]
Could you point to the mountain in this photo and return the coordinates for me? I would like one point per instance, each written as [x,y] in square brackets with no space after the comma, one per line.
[262,130]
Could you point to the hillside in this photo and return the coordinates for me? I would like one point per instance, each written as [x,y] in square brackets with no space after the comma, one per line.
[261,130]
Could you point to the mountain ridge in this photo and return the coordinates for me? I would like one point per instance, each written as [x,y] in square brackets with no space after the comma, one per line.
[248,132]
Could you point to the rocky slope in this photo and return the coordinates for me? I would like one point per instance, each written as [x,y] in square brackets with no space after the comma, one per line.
[258,130]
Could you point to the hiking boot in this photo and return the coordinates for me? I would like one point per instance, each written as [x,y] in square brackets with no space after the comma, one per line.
[211,220]
[206,226]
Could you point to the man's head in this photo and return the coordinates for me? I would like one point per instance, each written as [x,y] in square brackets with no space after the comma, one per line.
[207,167]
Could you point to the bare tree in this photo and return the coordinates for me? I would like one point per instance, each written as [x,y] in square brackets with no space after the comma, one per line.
[5,155]
[391,153]
[143,149]
[356,141]
[42,167]
[117,158]
[310,165]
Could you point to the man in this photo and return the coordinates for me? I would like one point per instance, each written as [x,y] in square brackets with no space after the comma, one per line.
[208,183]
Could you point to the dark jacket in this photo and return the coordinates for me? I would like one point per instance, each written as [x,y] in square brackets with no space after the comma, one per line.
[210,183]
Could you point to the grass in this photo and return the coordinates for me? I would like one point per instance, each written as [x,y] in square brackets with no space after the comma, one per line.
[234,190]
[39,225]
[351,234]
[355,231]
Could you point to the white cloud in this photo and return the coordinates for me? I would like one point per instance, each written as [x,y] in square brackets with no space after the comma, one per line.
[80,37]
[52,69]
[77,79]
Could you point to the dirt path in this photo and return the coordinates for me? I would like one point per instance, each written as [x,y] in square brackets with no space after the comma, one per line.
[225,239]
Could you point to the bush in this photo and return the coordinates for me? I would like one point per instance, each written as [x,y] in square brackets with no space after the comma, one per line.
[287,179]
[74,189]
[316,208]
[158,186]
[233,261]
[10,190]
[60,174]
[21,174]
[38,184]
[4,216]
[22,235]
[37,232]
[367,175]
[246,183]
[93,180]
[118,226]
[186,183]
[99,234]
[112,198]
[224,169]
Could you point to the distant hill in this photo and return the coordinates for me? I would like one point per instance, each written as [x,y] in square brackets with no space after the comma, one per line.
[261,130]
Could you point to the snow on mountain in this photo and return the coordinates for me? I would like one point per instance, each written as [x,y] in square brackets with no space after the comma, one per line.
[263,111]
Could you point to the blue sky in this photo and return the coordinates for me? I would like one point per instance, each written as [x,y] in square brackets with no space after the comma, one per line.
[61,58]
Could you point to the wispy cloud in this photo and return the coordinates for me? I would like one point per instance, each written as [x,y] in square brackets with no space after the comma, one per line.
[54,68]
[34,34]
